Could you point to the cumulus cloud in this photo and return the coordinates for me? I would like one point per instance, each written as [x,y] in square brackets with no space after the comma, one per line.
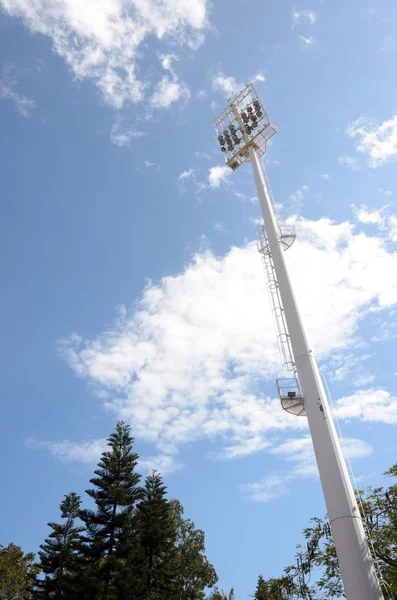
[122,136]
[303,16]
[368,405]
[367,216]
[379,142]
[226,84]
[380,217]
[258,77]
[102,41]
[189,360]
[218,175]
[168,91]
[229,86]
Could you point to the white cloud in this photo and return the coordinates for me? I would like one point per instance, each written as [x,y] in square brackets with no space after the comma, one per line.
[325,176]
[168,91]
[298,451]
[258,77]
[166,62]
[220,227]
[189,360]
[305,16]
[218,175]
[306,42]
[90,453]
[385,192]
[225,84]
[392,223]
[239,450]
[67,451]
[269,488]
[164,463]
[245,198]
[378,141]
[366,216]
[122,136]
[379,217]
[23,105]
[387,331]
[149,164]
[368,405]
[103,41]
[388,44]
[296,199]
[186,174]
[349,161]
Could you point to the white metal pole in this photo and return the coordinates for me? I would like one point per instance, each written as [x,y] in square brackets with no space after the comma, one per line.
[357,567]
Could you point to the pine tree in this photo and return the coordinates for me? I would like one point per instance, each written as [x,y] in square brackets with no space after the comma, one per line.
[156,529]
[217,595]
[115,494]
[59,558]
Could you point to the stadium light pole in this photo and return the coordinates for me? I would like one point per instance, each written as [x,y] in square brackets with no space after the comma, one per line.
[243,130]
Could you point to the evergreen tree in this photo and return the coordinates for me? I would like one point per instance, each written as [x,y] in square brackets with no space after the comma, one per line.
[17,573]
[194,573]
[217,595]
[59,558]
[280,588]
[156,529]
[115,494]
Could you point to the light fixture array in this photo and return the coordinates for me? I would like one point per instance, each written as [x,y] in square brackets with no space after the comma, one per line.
[243,121]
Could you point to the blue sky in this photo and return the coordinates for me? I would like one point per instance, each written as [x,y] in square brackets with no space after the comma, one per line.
[132,287]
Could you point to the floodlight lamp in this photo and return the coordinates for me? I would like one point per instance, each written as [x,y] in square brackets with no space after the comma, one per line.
[249,109]
[223,148]
[258,114]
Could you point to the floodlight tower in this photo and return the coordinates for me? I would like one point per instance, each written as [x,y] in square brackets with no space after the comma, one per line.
[243,130]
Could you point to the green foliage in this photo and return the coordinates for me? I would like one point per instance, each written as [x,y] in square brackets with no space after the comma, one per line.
[316,574]
[115,493]
[135,545]
[59,555]
[156,530]
[193,571]
[217,595]
[17,573]
[281,588]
